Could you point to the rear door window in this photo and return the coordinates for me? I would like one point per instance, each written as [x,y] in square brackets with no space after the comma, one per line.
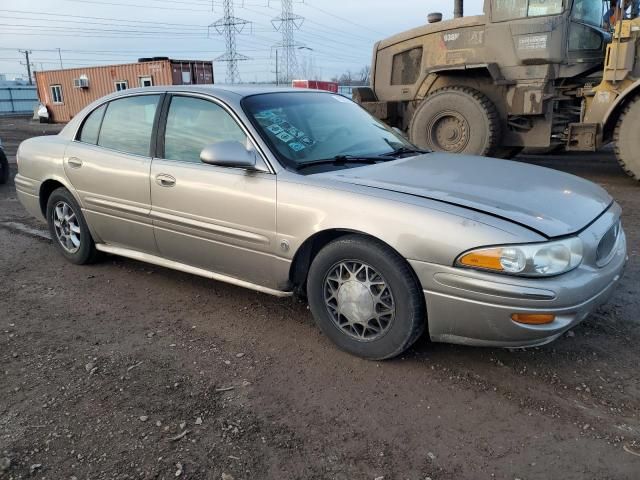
[128,124]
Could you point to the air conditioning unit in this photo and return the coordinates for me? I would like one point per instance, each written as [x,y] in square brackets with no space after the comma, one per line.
[82,82]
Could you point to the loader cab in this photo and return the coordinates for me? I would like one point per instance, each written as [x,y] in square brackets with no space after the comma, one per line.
[566,32]
[517,40]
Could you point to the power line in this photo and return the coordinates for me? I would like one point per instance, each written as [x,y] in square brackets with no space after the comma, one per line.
[341,18]
[327,28]
[102,30]
[345,53]
[138,6]
[162,27]
[99,18]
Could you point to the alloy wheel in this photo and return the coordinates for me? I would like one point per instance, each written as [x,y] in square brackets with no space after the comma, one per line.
[67,227]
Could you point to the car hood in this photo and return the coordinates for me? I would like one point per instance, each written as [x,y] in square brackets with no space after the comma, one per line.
[550,202]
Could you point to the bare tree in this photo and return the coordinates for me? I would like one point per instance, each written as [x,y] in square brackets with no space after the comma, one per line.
[365,74]
[346,78]
[307,67]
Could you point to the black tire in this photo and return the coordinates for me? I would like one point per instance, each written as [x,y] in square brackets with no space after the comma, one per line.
[86,252]
[627,140]
[4,168]
[456,120]
[410,318]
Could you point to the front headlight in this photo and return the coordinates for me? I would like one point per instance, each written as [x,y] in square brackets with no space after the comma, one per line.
[532,260]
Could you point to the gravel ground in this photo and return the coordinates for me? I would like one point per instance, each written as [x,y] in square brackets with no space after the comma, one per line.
[123,370]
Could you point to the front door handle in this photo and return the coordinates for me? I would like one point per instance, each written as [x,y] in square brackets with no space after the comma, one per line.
[165,180]
[74,162]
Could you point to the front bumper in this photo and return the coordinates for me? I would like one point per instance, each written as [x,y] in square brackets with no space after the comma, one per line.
[474,308]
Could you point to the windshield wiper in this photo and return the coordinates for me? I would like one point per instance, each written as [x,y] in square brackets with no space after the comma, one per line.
[405,151]
[339,160]
[402,150]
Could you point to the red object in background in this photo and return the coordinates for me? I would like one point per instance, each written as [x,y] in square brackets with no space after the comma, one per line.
[316,84]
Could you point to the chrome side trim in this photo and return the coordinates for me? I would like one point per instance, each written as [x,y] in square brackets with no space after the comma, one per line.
[209,227]
[121,207]
[162,262]
[493,288]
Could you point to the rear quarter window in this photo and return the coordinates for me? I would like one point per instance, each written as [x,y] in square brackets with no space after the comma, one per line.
[91,126]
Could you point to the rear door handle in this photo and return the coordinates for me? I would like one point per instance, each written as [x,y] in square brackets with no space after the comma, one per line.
[165,180]
[74,162]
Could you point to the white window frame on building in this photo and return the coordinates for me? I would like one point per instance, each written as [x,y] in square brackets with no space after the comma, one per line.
[56,94]
[146,81]
[121,85]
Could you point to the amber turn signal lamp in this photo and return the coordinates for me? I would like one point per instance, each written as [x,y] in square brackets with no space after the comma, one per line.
[489,259]
[533,318]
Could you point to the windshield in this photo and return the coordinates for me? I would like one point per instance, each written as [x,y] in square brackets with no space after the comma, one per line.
[589,11]
[514,9]
[309,127]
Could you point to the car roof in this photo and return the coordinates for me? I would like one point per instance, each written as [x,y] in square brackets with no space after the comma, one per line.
[221,91]
[231,94]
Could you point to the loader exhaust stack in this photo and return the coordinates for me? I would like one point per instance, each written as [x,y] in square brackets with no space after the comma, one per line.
[458,8]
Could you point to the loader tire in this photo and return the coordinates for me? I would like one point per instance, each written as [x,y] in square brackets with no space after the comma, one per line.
[627,141]
[457,120]
[507,153]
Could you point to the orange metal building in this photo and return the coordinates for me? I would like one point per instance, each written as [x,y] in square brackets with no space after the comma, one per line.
[66,92]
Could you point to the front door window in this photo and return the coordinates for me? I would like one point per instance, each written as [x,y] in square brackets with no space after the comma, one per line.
[194,123]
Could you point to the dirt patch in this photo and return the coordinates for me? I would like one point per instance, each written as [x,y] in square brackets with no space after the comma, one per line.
[123,370]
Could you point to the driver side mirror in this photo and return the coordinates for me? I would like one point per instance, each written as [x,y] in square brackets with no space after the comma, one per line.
[229,154]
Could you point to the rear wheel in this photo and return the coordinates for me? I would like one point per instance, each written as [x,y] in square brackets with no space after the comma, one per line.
[365,298]
[69,229]
[627,140]
[456,120]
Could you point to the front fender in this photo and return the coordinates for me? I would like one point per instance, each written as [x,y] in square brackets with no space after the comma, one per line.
[417,228]
[608,116]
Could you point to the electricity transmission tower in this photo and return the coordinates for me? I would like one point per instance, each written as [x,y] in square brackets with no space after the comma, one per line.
[287,23]
[229,26]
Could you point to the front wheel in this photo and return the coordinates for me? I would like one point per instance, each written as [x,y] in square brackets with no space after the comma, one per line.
[627,140]
[69,229]
[365,298]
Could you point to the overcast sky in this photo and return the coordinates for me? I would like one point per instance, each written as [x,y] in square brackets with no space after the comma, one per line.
[92,32]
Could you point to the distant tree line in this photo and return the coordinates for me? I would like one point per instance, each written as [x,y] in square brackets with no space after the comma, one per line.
[349,78]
